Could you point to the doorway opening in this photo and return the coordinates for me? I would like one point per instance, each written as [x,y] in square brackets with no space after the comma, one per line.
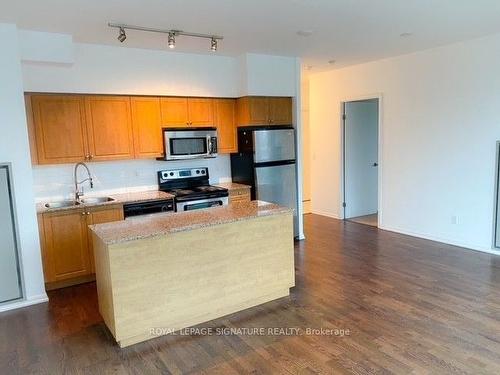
[360,161]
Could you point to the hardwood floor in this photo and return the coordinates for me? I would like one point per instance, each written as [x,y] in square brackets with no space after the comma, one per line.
[411,306]
[366,219]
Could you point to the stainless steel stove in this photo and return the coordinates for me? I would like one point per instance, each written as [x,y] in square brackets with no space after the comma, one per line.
[191,188]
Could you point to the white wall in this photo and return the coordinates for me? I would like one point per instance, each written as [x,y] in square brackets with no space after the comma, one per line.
[361,151]
[440,122]
[14,148]
[268,75]
[100,69]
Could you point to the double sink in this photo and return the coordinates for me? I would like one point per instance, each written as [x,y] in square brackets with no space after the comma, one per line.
[72,203]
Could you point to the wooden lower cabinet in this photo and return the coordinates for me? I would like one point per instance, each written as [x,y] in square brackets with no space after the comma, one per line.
[239,195]
[67,251]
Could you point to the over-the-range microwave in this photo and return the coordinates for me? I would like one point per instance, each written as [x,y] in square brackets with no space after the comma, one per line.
[189,143]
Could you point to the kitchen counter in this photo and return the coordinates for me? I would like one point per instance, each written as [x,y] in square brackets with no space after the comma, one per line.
[118,199]
[157,225]
[233,186]
[163,273]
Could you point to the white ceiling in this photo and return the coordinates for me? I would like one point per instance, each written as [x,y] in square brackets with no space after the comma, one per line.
[348,31]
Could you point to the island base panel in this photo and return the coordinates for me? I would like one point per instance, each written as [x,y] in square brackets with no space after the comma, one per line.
[178,280]
[209,316]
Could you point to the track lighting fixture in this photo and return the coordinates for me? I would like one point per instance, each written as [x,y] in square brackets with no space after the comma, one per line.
[214,39]
[122,36]
[213,45]
[171,40]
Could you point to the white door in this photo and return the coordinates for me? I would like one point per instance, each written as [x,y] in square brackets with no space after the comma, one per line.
[361,158]
[10,286]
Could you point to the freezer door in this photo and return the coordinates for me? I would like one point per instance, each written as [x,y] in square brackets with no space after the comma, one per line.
[10,285]
[276,184]
[274,145]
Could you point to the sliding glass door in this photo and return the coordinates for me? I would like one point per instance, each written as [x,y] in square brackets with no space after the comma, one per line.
[10,280]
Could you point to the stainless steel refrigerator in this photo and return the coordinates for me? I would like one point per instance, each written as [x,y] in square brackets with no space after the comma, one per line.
[266,161]
[10,280]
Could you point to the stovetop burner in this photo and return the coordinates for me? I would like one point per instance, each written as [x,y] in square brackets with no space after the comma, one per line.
[189,184]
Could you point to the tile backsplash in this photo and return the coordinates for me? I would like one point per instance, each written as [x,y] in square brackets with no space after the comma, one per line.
[56,181]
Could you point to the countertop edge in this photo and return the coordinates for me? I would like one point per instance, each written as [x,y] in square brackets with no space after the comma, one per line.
[279,210]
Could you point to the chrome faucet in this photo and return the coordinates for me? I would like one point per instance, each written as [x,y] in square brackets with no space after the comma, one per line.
[79,193]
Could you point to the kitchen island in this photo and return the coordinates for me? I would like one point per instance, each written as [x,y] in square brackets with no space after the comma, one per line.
[159,274]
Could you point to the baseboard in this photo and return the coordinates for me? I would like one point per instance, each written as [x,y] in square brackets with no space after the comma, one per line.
[327,214]
[34,300]
[447,241]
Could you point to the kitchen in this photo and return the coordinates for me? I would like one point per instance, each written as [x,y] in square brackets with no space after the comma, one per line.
[85,129]
[86,83]
[123,168]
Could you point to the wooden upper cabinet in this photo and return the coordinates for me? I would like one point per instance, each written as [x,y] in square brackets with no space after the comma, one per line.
[181,112]
[280,111]
[226,127]
[200,112]
[72,128]
[252,110]
[65,245]
[60,128]
[109,127]
[147,125]
[263,110]
[174,112]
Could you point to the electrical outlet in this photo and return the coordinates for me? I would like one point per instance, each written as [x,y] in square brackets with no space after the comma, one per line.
[455,219]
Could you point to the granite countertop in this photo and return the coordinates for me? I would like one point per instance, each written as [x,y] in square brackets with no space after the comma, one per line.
[157,225]
[233,186]
[140,196]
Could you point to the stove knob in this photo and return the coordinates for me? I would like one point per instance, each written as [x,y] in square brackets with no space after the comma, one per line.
[171,173]
[197,171]
[203,172]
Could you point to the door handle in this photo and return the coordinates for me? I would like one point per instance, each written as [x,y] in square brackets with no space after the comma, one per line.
[375,164]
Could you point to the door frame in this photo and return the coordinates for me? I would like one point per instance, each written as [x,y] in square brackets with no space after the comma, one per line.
[342,103]
[17,242]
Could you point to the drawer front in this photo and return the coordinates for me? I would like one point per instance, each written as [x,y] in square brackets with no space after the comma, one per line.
[238,192]
[239,196]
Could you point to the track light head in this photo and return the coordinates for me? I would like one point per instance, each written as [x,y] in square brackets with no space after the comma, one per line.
[171,40]
[122,36]
[213,45]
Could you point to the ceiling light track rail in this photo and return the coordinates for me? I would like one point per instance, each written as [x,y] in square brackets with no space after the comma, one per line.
[172,33]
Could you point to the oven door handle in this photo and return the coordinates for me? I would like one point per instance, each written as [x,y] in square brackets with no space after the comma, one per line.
[188,207]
